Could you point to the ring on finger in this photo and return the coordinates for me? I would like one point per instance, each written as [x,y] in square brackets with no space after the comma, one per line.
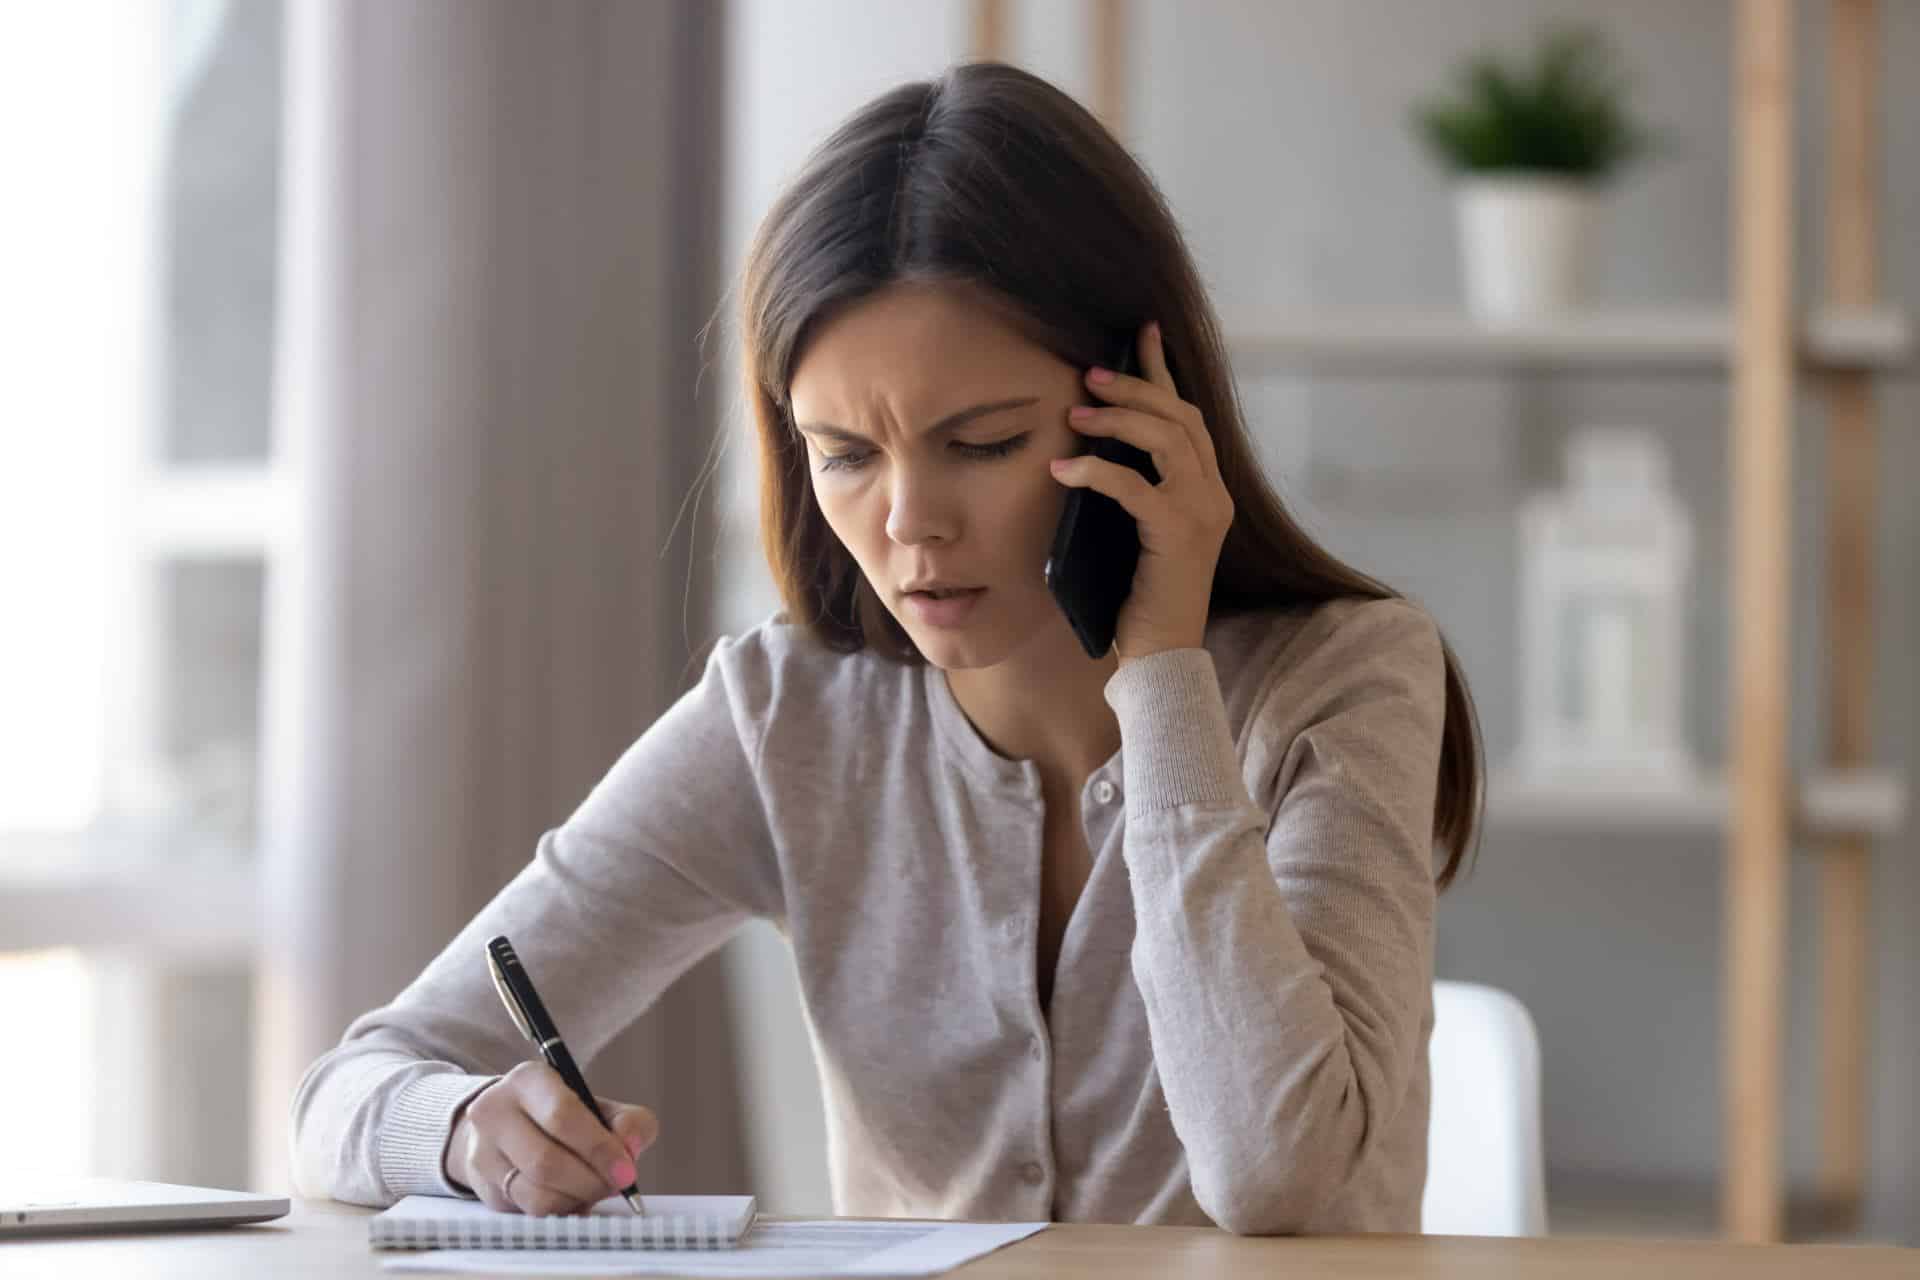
[506,1185]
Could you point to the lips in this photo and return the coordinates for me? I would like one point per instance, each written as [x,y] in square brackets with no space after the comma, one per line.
[944,611]
[938,587]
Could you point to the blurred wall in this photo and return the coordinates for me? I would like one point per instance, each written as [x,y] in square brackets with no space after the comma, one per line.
[1279,132]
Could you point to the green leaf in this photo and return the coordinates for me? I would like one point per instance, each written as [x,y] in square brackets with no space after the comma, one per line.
[1565,113]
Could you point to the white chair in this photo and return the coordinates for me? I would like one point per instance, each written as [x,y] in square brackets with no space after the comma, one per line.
[1485,1169]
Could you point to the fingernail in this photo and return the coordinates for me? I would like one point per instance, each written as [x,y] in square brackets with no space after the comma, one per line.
[623,1173]
[1080,412]
[1153,330]
[1100,375]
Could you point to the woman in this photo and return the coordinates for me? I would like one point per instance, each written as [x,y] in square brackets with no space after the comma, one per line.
[1139,938]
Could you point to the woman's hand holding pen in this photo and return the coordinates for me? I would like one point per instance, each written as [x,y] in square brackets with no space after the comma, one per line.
[530,1121]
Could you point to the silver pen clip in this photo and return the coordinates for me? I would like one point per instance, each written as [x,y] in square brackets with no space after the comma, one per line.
[507,997]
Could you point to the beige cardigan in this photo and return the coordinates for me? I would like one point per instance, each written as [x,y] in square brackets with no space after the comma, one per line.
[1242,1003]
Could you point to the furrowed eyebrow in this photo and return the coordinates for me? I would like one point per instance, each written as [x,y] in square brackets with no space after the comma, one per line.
[952,422]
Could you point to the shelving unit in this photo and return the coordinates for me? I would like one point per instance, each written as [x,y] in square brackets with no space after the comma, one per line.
[1840,344]
[1374,340]
[1829,804]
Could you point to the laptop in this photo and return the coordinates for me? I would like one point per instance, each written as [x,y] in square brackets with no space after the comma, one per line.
[50,1204]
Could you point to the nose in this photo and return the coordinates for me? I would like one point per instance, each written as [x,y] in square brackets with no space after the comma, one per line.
[918,510]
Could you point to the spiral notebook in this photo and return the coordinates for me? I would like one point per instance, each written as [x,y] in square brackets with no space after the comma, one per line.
[671,1222]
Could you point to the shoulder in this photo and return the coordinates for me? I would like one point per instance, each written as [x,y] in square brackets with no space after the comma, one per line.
[1300,662]
[1349,630]
[1355,686]
[769,652]
[778,666]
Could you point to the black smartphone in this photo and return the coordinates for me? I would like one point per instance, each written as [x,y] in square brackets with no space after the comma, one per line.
[1096,545]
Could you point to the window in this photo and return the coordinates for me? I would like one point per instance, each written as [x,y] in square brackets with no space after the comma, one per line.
[133,499]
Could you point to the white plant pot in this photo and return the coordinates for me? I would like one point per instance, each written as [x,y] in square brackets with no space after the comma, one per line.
[1523,244]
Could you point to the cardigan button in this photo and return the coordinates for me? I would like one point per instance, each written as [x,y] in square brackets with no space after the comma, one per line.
[1032,1174]
[1103,791]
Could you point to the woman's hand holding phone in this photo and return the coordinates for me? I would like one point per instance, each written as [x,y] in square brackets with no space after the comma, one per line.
[1182,520]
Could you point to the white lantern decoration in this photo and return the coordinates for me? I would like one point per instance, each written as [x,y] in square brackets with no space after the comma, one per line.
[1604,566]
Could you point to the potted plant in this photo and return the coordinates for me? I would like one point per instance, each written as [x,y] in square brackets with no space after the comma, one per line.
[1530,151]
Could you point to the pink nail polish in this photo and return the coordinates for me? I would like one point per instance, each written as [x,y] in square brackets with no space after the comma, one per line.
[1101,375]
[623,1173]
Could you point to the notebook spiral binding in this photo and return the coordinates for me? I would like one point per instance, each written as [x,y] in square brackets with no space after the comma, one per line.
[553,1231]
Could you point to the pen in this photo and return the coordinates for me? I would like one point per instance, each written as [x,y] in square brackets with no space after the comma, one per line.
[530,1015]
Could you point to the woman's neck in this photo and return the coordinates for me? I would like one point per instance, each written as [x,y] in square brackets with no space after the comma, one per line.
[1046,706]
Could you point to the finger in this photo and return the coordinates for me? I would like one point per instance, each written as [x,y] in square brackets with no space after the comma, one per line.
[1153,357]
[552,1178]
[489,1169]
[1162,375]
[1152,398]
[637,1127]
[1123,484]
[528,1197]
[566,1119]
[1170,447]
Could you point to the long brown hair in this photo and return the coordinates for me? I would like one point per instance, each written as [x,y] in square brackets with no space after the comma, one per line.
[992,179]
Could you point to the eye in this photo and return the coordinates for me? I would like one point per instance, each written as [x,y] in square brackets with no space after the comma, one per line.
[849,461]
[998,449]
[854,459]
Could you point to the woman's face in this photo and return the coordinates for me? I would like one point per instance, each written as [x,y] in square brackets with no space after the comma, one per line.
[946,418]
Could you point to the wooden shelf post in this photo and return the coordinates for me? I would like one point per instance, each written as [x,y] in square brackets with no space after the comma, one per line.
[1107,28]
[1852,243]
[987,31]
[1760,448]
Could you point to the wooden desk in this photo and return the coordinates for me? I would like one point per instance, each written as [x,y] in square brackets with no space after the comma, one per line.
[324,1239]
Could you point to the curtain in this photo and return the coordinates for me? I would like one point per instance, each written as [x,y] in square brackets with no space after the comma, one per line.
[496,259]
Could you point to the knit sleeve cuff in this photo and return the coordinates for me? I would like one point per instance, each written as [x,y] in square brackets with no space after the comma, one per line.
[413,1138]
[1173,723]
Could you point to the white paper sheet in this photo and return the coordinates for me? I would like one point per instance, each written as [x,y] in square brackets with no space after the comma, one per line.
[802,1250]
